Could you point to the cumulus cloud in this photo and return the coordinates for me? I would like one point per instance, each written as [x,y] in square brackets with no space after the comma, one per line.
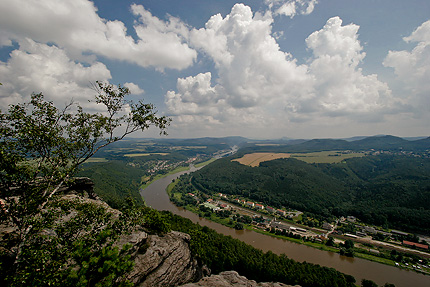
[36,67]
[253,73]
[134,89]
[259,85]
[412,68]
[341,84]
[291,8]
[76,26]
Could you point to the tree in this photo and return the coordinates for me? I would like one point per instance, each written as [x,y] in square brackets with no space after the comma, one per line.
[330,241]
[349,244]
[368,283]
[42,147]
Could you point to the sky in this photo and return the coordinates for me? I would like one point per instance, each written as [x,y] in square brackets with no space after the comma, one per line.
[258,69]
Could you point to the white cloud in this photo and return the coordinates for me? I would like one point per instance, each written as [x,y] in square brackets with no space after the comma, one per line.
[291,8]
[342,87]
[76,26]
[251,67]
[260,86]
[287,9]
[36,67]
[134,89]
[413,68]
[255,78]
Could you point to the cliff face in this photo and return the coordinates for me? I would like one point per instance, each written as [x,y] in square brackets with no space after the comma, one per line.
[165,260]
[232,279]
[159,260]
[162,260]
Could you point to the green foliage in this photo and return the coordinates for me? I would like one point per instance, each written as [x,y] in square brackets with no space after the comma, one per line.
[114,181]
[155,222]
[330,241]
[41,148]
[385,190]
[368,283]
[348,244]
[221,253]
[73,247]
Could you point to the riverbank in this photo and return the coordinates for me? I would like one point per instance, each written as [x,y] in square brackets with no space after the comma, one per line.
[378,254]
[175,171]
[155,195]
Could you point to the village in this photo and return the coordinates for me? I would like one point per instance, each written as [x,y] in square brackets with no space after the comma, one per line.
[288,223]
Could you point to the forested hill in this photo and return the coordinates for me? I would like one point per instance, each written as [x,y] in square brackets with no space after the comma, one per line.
[387,143]
[390,190]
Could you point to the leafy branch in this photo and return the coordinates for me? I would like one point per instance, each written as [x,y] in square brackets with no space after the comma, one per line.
[41,148]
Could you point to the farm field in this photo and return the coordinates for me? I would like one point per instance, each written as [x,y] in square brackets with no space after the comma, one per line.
[97,159]
[326,156]
[254,159]
[144,154]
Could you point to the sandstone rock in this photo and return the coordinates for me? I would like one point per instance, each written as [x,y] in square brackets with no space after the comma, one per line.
[231,279]
[167,261]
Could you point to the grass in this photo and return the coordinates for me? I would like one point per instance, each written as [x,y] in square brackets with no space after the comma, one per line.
[160,176]
[325,156]
[144,154]
[176,170]
[374,258]
[205,163]
[97,159]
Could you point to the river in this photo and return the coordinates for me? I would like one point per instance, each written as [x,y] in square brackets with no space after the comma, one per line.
[155,196]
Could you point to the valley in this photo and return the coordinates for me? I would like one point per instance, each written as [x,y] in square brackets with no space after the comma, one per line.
[240,193]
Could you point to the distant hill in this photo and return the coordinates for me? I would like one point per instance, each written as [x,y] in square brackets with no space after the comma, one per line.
[212,144]
[380,142]
[384,142]
[384,189]
[422,144]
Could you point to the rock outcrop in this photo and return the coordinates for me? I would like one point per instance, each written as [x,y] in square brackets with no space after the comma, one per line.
[159,260]
[231,279]
[162,260]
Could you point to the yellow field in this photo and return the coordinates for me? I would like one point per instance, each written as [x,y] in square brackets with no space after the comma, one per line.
[254,159]
[144,154]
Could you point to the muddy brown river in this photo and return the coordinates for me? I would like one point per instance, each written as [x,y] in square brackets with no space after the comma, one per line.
[155,196]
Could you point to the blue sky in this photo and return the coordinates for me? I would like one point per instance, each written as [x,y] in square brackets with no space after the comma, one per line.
[259,69]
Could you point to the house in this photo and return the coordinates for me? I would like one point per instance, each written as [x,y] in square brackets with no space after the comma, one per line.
[270,209]
[300,229]
[259,206]
[351,219]
[327,226]
[371,230]
[223,205]
[211,206]
[280,212]
[412,244]
[250,204]
[190,194]
[397,232]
